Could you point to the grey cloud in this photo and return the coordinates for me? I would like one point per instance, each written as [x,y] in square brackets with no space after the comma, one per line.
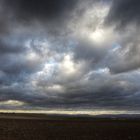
[124,12]
[10,64]
[100,91]
[33,68]
[40,8]
[86,50]
[113,93]
[50,15]
[126,56]
[8,47]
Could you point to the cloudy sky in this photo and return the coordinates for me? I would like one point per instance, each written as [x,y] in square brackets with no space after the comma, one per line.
[70,54]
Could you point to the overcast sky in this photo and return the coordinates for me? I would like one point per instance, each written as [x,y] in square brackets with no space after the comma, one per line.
[70,54]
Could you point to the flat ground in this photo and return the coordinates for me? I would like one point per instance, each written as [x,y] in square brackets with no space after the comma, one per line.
[38,127]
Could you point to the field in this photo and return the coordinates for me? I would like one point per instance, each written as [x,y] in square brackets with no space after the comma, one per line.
[41,127]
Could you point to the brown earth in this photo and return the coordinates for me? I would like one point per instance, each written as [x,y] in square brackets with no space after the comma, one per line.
[41,128]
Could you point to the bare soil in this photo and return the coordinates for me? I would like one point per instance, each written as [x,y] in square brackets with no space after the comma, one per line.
[13,127]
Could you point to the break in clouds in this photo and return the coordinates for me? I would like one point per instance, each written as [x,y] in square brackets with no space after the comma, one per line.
[77,54]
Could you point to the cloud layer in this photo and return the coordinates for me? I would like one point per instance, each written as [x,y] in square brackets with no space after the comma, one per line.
[59,54]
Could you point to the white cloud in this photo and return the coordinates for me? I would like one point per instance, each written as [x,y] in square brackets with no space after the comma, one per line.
[12,103]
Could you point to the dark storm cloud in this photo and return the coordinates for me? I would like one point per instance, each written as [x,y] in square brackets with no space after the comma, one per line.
[112,92]
[80,69]
[127,63]
[126,57]
[39,15]
[40,9]
[115,93]
[124,16]
[8,47]
[124,12]
[11,65]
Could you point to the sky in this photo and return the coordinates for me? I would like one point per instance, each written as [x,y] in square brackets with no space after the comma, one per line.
[70,55]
